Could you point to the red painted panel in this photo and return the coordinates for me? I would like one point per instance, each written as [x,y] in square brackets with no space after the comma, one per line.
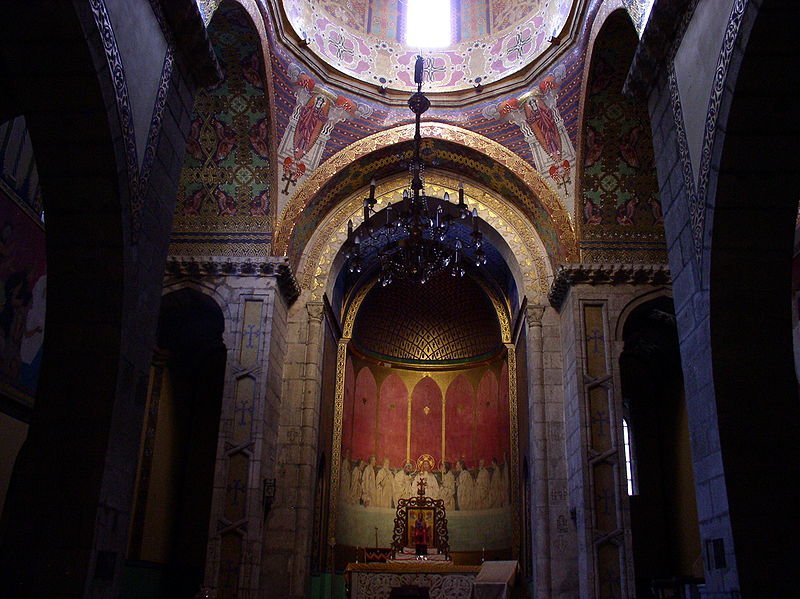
[503,409]
[365,411]
[488,429]
[459,421]
[347,407]
[392,421]
[426,420]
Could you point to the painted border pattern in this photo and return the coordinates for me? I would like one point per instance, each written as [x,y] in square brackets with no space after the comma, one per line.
[137,178]
[697,194]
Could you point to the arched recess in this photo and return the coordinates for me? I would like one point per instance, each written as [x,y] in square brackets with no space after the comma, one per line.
[353,167]
[749,241]
[226,201]
[662,507]
[175,478]
[53,70]
[618,212]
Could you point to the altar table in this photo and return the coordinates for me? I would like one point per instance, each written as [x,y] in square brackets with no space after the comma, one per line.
[443,581]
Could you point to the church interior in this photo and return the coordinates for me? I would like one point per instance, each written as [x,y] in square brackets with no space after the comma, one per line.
[323,299]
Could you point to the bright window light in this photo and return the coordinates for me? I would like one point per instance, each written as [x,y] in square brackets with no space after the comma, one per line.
[428,23]
[626,440]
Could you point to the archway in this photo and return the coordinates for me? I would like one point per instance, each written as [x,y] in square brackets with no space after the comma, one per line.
[752,226]
[169,534]
[663,512]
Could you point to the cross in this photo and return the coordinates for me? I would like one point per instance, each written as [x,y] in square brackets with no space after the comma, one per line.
[237,487]
[243,407]
[605,499]
[596,336]
[251,332]
[421,484]
[599,418]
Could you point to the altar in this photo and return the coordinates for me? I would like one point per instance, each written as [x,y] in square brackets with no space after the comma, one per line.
[443,580]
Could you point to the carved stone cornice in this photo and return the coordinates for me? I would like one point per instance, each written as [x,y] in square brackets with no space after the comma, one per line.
[203,268]
[569,275]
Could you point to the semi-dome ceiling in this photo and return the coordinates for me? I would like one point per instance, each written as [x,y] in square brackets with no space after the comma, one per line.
[446,320]
[491,39]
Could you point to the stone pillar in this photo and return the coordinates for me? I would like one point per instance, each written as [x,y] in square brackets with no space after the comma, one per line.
[289,526]
[538,443]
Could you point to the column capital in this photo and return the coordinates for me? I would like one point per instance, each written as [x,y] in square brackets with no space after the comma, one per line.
[315,311]
[533,315]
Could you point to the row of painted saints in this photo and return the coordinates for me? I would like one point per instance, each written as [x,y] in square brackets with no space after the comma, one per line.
[364,483]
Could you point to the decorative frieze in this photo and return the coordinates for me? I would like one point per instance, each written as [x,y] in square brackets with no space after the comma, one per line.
[569,275]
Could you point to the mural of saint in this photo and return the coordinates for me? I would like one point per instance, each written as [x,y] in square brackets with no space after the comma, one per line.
[402,483]
[542,121]
[384,481]
[369,489]
[309,124]
[465,490]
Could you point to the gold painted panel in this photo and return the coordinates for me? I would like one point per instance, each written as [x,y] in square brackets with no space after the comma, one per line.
[595,341]
[599,422]
[243,411]
[605,497]
[251,334]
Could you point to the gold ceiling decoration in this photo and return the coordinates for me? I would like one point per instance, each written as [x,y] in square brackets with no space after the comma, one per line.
[560,217]
[446,320]
[516,230]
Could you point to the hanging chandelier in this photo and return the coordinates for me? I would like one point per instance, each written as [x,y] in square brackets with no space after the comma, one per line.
[419,236]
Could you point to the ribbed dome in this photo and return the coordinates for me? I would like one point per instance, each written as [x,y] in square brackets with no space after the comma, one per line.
[445,320]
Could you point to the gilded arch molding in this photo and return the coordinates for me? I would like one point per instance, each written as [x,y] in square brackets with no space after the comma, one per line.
[535,186]
[520,236]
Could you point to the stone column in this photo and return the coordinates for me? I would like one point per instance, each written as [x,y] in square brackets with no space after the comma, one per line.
[304,509]
[538,442]
[289,524]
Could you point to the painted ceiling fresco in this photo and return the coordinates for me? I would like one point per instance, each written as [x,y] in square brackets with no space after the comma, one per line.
[316,120]
[491,39]
[622,219]
[223,205]
[440,321]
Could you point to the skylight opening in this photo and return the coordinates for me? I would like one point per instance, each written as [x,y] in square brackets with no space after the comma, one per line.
[428,24]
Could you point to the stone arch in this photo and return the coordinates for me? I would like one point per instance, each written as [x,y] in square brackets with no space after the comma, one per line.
[749,238]
[631,307]
[223,298]
[553,215]
[521,246]
[70,106]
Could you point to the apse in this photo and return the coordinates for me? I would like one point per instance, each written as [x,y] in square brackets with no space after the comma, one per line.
[426,378]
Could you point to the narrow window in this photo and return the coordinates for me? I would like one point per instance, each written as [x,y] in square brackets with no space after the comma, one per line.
[428,23]
[626,440]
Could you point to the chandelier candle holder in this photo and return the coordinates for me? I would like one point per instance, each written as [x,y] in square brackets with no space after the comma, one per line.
[419,236]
